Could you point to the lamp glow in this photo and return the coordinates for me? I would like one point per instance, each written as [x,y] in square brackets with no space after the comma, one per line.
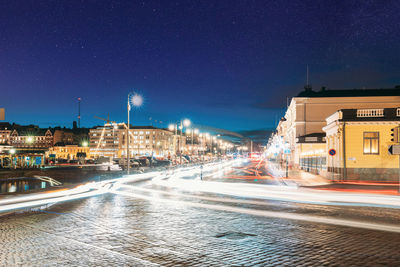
[186,122]
[136,100]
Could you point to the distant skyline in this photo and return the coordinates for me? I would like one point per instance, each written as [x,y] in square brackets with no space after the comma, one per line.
[226,64]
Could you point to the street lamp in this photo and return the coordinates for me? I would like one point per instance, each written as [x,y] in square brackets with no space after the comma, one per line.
[84,143]
[186,122]
[195,131]
[135,100]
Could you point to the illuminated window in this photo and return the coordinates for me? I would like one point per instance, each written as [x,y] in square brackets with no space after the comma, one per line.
[371,143]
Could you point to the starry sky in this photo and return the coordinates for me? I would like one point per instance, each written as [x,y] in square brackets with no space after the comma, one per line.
[228,64]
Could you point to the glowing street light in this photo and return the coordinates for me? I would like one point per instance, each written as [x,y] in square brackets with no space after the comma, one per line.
[186,122]
[29,140]
[84,143]
[12,151]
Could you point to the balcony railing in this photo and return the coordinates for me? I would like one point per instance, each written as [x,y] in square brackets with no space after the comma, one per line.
[365,113]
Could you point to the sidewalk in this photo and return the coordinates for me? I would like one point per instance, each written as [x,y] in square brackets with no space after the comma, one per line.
[313,181]
[307,179]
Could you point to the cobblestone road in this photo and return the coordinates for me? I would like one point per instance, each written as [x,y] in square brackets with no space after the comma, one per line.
[123,230]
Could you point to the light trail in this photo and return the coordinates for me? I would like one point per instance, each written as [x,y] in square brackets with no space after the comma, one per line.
[280,193]
[272,214]
[83,191]
[216,199]
[97,188]
[42,202]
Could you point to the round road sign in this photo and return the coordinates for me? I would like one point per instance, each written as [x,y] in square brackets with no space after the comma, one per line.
[332,152]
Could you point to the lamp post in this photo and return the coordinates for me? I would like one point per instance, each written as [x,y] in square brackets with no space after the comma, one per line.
[195,131]
[184,123]
[136,100]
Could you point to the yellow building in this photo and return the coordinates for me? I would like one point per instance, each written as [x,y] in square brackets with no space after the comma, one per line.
[361,138]
[306,114]
[68,152]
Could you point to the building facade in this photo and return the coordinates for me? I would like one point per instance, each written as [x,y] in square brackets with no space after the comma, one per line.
[307,112]
[361,139]
[37,139]
[110,141]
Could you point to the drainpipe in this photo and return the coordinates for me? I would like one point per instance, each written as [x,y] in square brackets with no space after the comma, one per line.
[344,152]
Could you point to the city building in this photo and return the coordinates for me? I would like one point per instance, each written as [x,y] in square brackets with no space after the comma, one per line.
[68,152]
[32,138]
[306,114]
[66,137]
[110,141]
[358,140]
[104,141]
[26,146]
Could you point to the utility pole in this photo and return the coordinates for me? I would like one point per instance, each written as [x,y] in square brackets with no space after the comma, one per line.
[127,138]
[79,112]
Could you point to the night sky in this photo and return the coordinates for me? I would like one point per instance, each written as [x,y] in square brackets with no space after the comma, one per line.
[227,64]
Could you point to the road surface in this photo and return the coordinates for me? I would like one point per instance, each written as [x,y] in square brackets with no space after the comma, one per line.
[236,216]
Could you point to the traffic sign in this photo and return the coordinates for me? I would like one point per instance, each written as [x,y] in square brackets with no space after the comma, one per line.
[332,152]
[394,150]
[395,135]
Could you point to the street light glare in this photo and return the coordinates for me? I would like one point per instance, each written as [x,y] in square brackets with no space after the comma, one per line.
[171,127]
[136,100]
[186,122]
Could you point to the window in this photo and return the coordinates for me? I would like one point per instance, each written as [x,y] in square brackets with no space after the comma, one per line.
[371,143]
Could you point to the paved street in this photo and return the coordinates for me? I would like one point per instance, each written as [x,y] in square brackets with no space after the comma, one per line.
[158,223]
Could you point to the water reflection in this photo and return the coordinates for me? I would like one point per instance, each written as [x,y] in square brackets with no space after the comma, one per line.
[23,184]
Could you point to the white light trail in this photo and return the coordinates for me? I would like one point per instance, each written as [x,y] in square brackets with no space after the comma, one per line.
[273,214]
[280,193]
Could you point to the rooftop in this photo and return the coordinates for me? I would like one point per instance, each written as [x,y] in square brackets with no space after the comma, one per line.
[376,114]
[308,92]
